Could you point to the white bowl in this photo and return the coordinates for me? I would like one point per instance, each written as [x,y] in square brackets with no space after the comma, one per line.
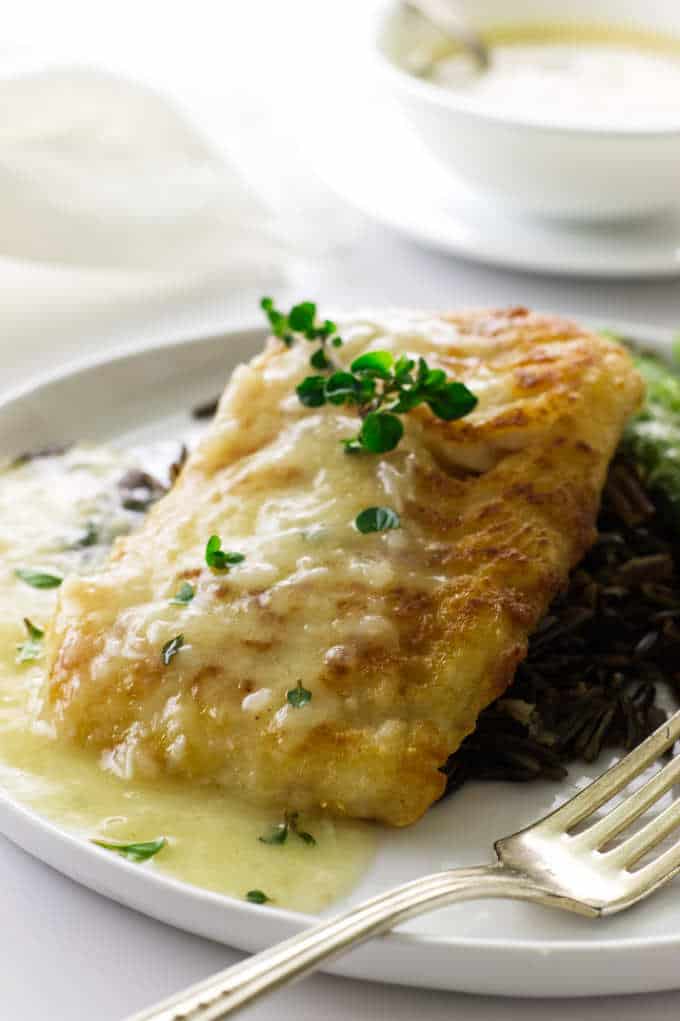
[560,169]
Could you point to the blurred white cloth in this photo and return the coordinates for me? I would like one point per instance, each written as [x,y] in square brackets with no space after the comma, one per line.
[114,213]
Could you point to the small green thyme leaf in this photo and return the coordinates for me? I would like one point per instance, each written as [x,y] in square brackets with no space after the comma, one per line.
[32,648]
[311,391]
[136,851]
[171,648]
[257,897]
[377,519]
[341,388]
[276,835]
[279,834]
[301,317]
[452,400]
[277,321]
[38,579]
[403,366]
[380,432]
[408,399]
[376,363]
[212,551]
[299,696]
[185,593]
[89,537]
[217,558]
[434,379]
[293,826]
[320,360]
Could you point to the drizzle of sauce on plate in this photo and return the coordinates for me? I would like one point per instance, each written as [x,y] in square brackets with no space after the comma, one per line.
[58,514]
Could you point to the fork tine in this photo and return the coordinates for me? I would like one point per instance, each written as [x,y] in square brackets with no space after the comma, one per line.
[623,815]
[658,871]
[611,782]
[631,850]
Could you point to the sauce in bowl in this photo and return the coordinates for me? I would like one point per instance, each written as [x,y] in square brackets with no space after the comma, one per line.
[600,75]
[590,82]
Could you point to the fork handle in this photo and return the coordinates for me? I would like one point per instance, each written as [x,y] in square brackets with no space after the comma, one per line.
[223,994]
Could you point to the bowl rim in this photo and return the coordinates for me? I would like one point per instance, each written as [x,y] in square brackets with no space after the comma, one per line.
[450,100]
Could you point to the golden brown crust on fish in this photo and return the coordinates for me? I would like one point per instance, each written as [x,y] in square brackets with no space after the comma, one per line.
[402,637]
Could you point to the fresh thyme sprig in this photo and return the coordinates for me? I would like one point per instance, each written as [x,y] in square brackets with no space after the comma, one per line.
[301,322]
[383,388]
[380,386]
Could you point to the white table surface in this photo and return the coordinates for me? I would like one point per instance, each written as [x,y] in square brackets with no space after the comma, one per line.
[66,952]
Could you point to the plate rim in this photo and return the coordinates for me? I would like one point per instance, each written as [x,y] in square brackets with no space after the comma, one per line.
[16,818]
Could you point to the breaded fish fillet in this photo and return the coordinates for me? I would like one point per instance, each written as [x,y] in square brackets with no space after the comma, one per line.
[402,637]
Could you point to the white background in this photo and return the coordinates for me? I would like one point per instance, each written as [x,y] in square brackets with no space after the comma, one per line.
[248,72]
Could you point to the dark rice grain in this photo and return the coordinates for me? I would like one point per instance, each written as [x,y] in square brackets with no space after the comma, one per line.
[596,665]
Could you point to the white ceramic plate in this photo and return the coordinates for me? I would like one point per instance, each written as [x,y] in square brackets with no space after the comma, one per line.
[482,947]
[380,166]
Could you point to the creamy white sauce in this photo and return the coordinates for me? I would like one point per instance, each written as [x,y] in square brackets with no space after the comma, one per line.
[45,509]
[587,82]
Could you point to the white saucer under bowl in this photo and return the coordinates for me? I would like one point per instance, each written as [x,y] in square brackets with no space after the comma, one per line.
[380,166]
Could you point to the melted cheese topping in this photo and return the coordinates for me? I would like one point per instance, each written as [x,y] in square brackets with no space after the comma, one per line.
[48,507]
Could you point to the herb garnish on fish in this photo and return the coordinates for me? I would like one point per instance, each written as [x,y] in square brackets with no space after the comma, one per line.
[298,696]
[382,388]
[377,519]
[217,558]
[171,648]
[185,593]
[301,323]
[378,385]
[38,579]
[32,648]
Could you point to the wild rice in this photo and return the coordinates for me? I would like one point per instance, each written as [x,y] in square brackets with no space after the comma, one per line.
[596,664]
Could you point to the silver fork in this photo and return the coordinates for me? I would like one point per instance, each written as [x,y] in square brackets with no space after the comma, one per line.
[546,863]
